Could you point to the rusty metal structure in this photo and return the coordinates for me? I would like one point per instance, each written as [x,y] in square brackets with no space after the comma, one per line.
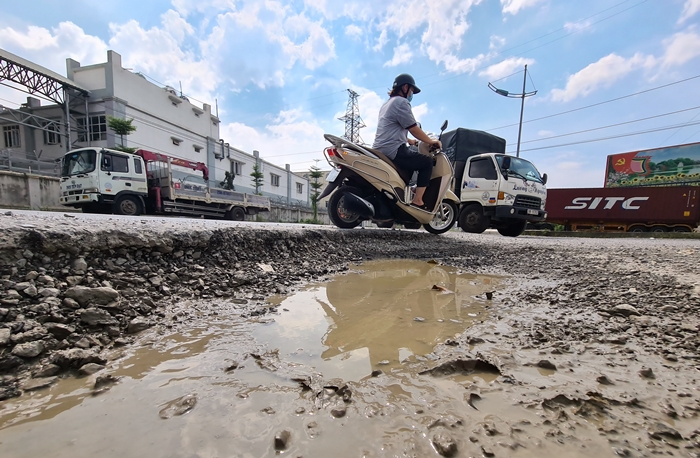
[26,76]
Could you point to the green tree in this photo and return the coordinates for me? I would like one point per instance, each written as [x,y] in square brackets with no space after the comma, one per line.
[122,127]
[257,178]
[315,174]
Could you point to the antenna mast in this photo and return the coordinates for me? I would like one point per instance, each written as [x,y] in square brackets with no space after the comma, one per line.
[353,121]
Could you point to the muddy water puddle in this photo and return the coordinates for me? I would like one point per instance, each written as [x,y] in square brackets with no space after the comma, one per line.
[378,317]
[340,369]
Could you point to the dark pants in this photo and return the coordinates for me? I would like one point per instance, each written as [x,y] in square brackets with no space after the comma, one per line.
[412,160]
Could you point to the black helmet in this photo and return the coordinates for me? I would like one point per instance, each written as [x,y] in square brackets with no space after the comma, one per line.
[405,78]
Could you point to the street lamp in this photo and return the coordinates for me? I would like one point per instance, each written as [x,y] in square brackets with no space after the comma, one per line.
[522,96]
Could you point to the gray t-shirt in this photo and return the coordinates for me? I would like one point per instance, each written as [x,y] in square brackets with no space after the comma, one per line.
[395,118]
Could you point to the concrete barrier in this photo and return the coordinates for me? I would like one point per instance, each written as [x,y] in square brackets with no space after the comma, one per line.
[24,190]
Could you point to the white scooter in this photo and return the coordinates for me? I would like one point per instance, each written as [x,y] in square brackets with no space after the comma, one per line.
[366,185]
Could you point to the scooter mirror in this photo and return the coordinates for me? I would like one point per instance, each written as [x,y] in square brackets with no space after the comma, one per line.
[444,125]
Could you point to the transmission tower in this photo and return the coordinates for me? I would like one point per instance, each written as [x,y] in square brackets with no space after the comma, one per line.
[353,121]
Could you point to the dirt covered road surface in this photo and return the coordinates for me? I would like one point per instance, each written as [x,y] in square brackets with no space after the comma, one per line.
[193,338]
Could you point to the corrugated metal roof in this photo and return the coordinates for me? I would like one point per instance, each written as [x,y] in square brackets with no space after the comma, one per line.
[6,55]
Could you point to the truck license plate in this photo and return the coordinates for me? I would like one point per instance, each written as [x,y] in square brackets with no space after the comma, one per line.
[333,175]
[532,212]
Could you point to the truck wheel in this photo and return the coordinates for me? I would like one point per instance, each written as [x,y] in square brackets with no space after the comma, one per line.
[682,229]
[659,229]
[472,219]
[513,229]
[444,218]
[236,214]
[127,205]
[339,216]
[637,229]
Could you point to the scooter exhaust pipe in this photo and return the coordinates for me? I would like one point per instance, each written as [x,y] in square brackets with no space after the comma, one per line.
[358,205]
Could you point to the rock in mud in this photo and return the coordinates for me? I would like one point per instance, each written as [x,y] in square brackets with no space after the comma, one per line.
[604,380]
[105,380]
[660,431]
[546,364]
[444,444]
[76,357]
[646,372]
[99,296]
[90,368]
[39,383]
[179,406]
[138,324]
[339,412]
[94,317]
[282,439]
[28,350]
[624,310]
[4,337]
[59,331]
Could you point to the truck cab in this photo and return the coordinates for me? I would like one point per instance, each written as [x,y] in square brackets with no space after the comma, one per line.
[495,190]
[96,178]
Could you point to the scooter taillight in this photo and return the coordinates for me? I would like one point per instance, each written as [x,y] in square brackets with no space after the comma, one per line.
[332,152]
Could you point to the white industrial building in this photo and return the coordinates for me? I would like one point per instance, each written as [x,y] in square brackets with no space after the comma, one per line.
[165,120]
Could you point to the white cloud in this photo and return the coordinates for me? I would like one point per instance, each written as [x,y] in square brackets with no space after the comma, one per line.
[50,48]
[514,6]
[602,73]
[577,26]
[496,42]
[273,141]
[506,67]
[402,55]
[545,133]
[690,8]
[353,31]
[681,48]
[176,26]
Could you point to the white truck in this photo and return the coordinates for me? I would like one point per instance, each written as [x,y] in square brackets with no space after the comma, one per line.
[495,190]
[100,180]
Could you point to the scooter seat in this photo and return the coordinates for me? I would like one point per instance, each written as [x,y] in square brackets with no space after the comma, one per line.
[405,175]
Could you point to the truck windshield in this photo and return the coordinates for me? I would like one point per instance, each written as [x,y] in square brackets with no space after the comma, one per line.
[78,162]
[521,167]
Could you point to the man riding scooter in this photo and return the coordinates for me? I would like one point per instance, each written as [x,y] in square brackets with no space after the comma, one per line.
[395,121]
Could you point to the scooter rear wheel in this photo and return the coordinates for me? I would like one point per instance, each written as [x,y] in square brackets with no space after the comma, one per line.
[340,216]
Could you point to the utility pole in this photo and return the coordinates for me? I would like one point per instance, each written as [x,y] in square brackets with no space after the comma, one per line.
[522,96]
[353,121]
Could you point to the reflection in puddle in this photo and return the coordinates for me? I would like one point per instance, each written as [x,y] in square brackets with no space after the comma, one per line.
[384,314]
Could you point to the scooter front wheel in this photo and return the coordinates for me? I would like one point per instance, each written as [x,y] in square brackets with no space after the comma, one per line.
[338,214]
[444,218]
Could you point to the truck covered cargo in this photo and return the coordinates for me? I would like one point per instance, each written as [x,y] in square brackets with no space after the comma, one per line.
[641,209]
[669,166]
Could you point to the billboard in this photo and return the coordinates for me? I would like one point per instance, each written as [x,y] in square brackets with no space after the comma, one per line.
[668,166]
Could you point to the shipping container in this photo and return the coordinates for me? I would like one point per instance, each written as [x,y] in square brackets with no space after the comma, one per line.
[668,166]
[641,209]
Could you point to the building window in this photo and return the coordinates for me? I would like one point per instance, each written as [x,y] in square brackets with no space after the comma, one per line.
[97,129]
[300,188]
[197,149]
[236,168]
[52,136]
[274,179]
[11,136]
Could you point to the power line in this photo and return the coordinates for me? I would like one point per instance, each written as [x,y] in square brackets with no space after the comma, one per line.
[598,103]
[612,137]
[615,125]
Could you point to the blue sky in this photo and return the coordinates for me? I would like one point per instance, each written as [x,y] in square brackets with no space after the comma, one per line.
[279,70]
